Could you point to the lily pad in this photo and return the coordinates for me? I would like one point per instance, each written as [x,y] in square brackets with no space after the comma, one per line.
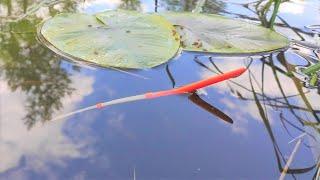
[218,34]
[123,39]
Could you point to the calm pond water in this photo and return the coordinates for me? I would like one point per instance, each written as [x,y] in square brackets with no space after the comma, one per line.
[178,137]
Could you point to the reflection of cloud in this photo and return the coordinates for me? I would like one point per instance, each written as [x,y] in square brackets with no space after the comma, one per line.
[293,7]
[314,143]
[94,6]
[43,142]
[271,87]
[240,125]
[3,10]
[115,123]
[245,109]
[43,13]
[59,7]
[249,108]
[147,6]
[242,110]
[313,98]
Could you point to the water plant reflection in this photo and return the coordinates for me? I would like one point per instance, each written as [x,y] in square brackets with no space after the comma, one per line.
[279,95]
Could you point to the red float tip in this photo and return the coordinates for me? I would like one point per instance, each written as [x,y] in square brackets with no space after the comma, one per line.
[189,88]
[211,80]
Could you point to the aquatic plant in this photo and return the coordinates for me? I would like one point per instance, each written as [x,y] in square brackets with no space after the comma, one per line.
[262,9]
[127,39]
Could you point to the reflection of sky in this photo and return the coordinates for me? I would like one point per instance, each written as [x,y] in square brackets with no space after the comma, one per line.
[160,140]
[168,137]
[44,142]
[304,12]
[94,6]
[297,13]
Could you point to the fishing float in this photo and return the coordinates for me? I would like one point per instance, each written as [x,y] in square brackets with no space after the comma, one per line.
[189,88]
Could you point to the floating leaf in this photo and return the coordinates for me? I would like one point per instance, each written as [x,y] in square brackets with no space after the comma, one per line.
[214,33]
[123,39]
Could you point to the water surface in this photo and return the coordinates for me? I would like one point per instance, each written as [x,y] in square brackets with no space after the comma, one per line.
[178,137]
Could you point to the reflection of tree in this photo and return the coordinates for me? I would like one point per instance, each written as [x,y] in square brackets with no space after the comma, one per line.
[213,6]
[19,9]
[130,4]
[210,6]
[172,5]
[28,66]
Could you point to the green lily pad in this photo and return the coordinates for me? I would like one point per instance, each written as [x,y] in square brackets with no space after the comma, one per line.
[123,39]
[218,34]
